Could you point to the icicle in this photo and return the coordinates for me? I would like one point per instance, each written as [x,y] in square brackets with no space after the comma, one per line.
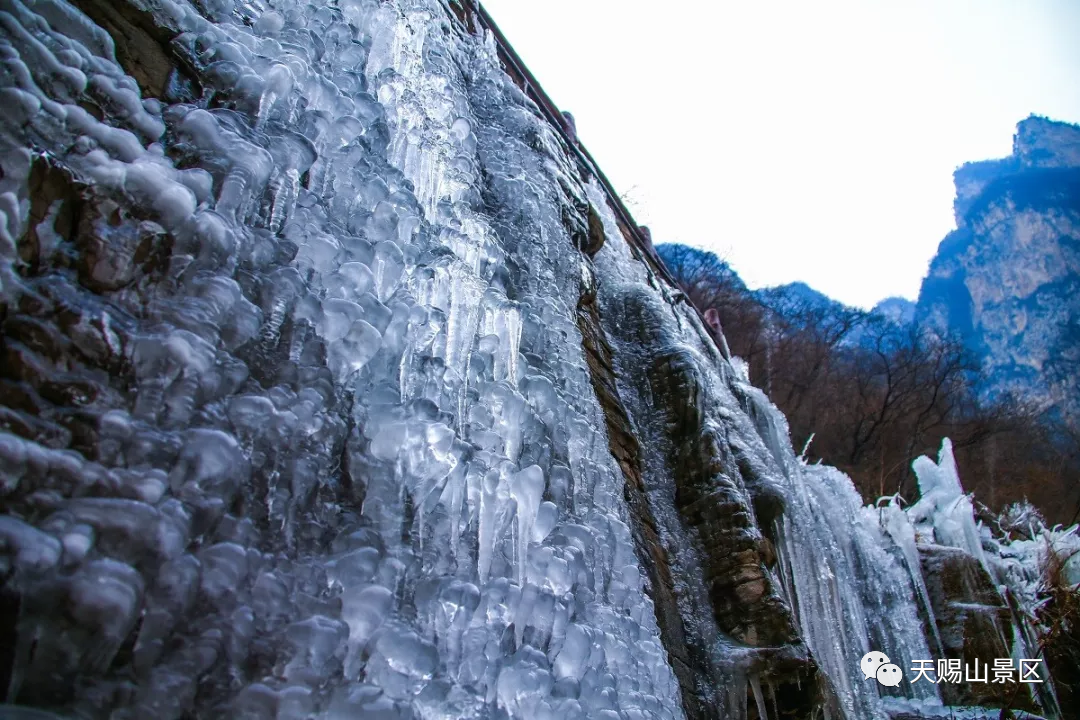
[759,698]
[527,489]
[896,524]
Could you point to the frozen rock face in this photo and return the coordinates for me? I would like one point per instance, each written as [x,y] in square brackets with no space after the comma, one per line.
[974,624]
[704,479]
[1007,279]
[333,385]
[783,579]
[297,420]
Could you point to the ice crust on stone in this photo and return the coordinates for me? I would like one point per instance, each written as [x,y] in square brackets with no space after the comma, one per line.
[359,444]
[852,593]
[945,514]
[621,275]
[341,452]
[848,581]
[897,525]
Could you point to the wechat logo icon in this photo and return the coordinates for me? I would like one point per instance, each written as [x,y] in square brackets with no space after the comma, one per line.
[876,665]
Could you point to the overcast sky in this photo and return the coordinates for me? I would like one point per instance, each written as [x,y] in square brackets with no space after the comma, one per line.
[809,141]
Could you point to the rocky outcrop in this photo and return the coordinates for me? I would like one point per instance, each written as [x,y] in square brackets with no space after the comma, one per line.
[627,452]
[975,626]
[717,506]
[1008,278]
[713,502]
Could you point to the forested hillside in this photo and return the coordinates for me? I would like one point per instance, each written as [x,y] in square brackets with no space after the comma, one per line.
[868,392]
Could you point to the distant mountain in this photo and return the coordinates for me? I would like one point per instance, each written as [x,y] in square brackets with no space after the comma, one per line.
[796,294]
[704,269]
[897,309]
[900,310]
[1007,280]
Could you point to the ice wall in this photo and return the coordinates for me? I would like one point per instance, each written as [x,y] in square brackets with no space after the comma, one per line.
[297,421]
[852,592]
[296,418]
[1015,567]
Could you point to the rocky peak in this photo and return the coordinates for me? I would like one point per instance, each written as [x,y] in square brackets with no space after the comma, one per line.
[1007,279]
[1041,142]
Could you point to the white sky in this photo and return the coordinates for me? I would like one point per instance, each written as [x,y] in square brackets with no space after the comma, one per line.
[801,140]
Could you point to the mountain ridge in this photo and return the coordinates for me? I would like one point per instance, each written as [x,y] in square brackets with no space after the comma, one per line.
[1007,278]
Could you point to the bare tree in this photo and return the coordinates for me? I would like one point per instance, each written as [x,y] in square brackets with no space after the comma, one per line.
[875,394]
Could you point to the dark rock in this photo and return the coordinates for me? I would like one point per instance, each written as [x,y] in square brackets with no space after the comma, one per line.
[712,496]
[54,212]
[115,246]
[974,623]
[624,447]
[141,43]
[596,233]
[716,506]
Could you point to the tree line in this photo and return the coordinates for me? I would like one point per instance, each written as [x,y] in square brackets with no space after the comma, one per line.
[870,394]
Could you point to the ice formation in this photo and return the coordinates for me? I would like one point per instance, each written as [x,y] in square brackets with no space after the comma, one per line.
[359,469]
[302,417]
[851,593]
[837,567]
[944,508]
[944,514]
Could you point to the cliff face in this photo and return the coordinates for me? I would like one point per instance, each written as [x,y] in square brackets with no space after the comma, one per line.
[308,406]
[337,383]
[1008,278]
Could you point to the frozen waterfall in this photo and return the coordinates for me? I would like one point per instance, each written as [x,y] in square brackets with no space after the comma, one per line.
[851,592]
[335,386]
[360,469]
